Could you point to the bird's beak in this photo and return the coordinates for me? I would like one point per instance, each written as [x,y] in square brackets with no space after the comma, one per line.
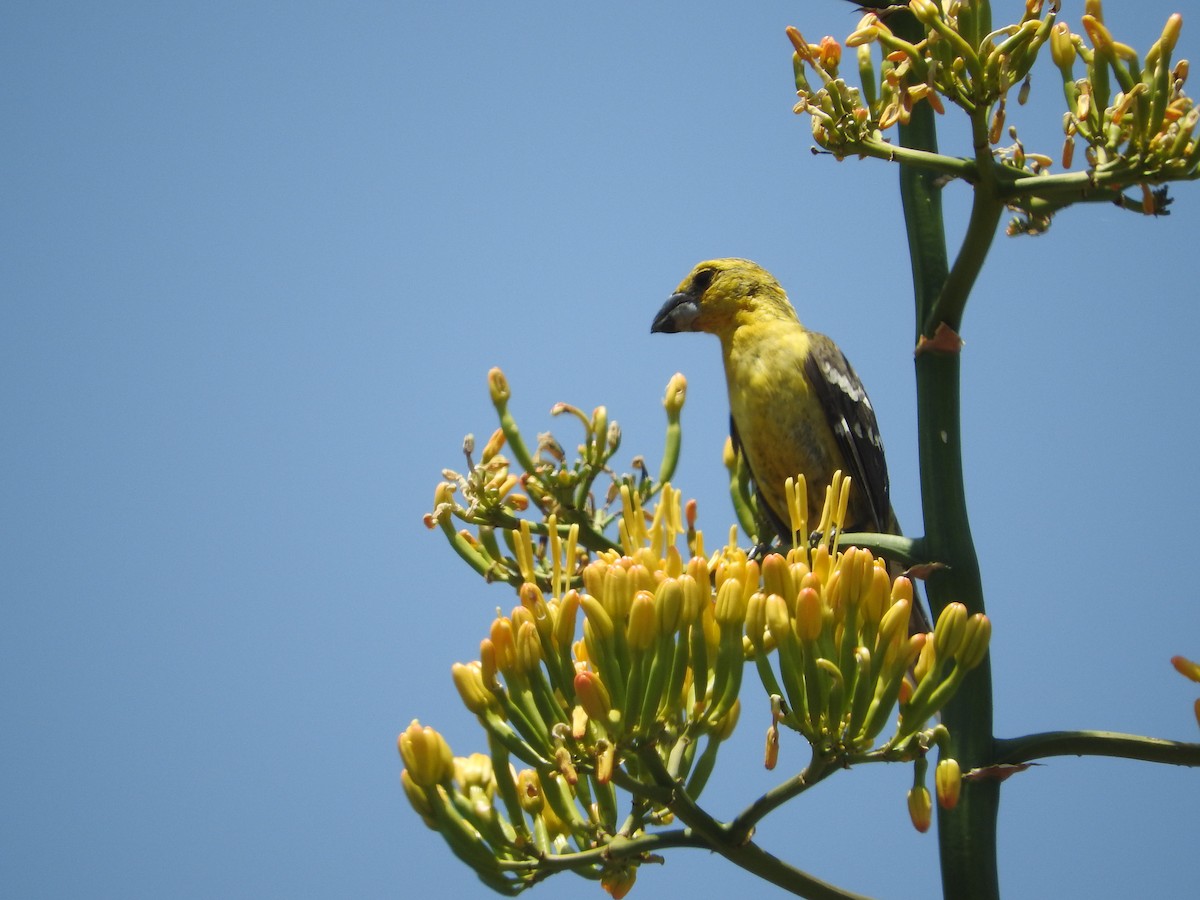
[677,314]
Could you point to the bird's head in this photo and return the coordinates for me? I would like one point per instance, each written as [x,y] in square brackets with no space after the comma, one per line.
[719,295]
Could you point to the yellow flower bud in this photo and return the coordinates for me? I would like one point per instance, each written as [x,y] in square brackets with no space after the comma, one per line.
[875,599]
[977,636]
[1186,667]
[529,792]
[926,660]
[668,604]
[606,759]
[593,696]
[597,617]
[528,646]
[894,622]
[1062,48]
[418,799]
[676,395]
[642,627]
[722,728]
[948,633]
[771,754]
[578,723]
[503,644]
[475,771]
[599,425]
[494,445]
[618,592]
[920,808]
[427,757]
[809,613]
[618,880]
[756,619]
[947,779]
[926,11]
[468,679]
[498,386]
[731,603]
[776,577]
[487,661]
[695,594]
[802,47]
[776,611]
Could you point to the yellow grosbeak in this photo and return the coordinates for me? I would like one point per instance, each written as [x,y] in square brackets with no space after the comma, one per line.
[796,406]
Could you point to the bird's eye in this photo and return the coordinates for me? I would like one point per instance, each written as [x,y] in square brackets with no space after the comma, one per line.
[701,280]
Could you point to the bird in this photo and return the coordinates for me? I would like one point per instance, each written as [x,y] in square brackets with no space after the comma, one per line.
[796,405]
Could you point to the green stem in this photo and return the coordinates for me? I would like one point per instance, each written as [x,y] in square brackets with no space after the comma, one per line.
[734,847]
[744,822]
[967,835]
[617,848]
[1096,743]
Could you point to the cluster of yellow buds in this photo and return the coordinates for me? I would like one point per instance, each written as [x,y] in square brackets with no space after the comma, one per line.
[1137,124]
[829,632]
[497,497]
[959,58]
[620,669]
[839,630]
[578,687]
[633,682]
[1144,122]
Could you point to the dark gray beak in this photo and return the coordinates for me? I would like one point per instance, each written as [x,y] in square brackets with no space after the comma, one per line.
[677,314]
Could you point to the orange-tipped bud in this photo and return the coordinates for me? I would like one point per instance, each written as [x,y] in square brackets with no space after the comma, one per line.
[800,45]
[606,760]
[618,881]
[947,779]
[831,53]
[776,576]
[593,696]
[771,754]
[808,615]
[920,808]
[1186,667]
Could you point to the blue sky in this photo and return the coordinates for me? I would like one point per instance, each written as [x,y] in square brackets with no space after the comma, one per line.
[258,259]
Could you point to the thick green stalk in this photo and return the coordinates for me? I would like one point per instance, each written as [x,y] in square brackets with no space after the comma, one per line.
[1096,743]
[967,835]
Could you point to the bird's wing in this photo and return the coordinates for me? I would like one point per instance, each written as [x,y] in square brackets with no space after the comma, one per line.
[852,419]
